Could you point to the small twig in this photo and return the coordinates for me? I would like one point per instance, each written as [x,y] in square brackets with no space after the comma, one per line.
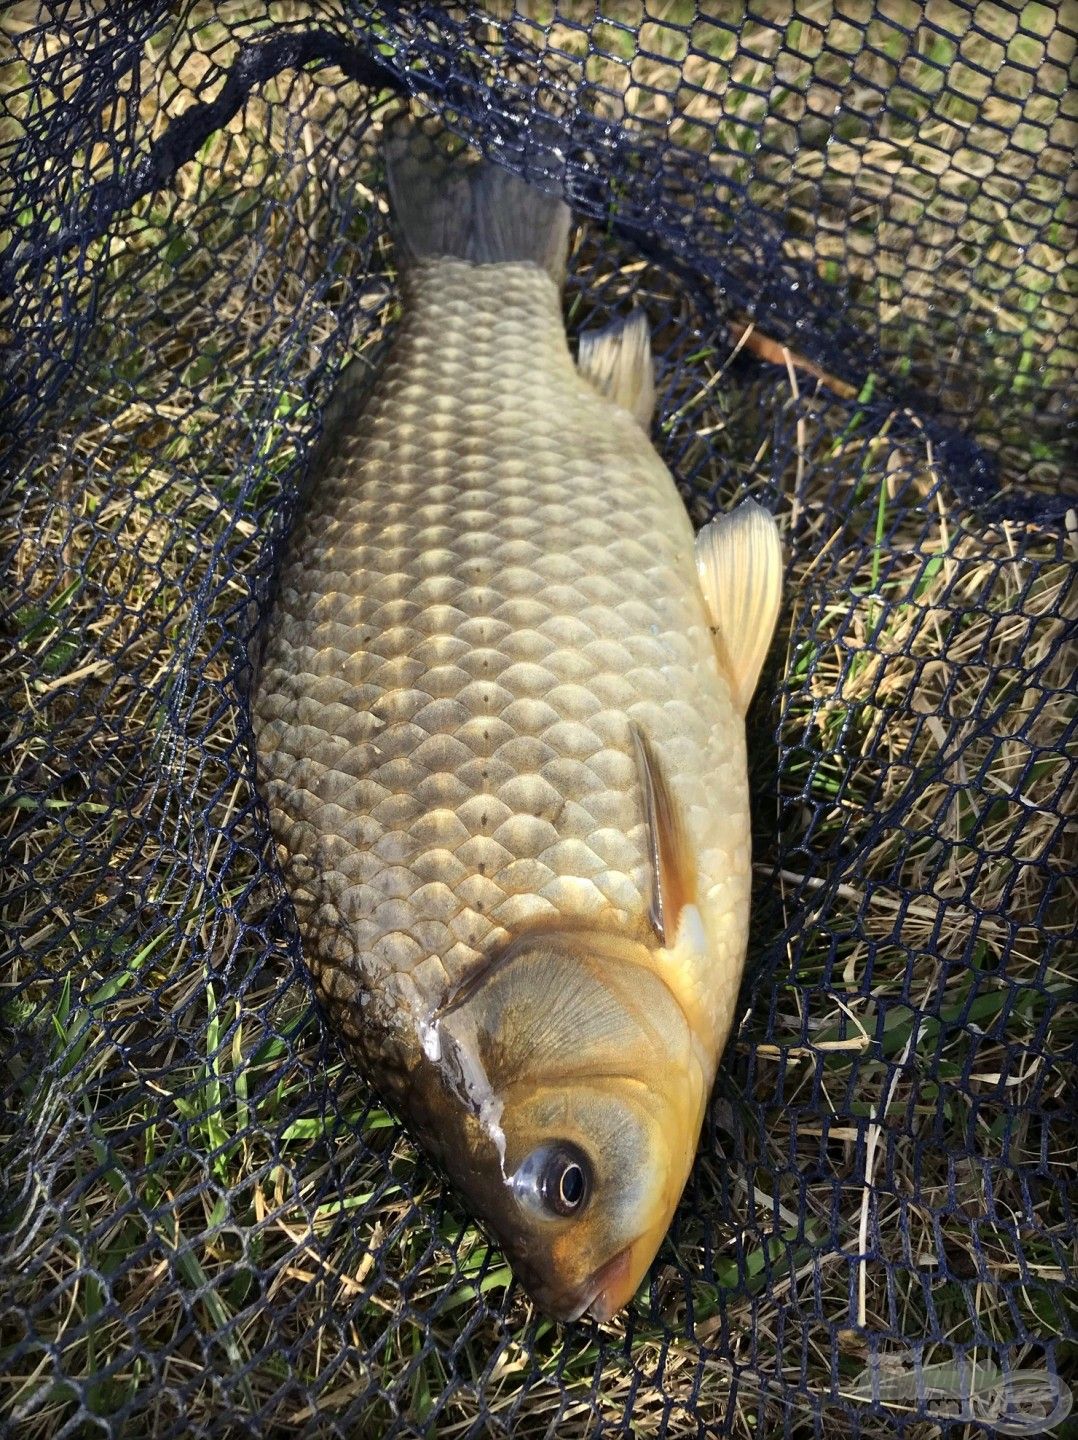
[49,687]
[795,509]
[770,351]
[872,1136]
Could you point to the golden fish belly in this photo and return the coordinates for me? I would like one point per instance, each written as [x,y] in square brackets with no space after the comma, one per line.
[493,576]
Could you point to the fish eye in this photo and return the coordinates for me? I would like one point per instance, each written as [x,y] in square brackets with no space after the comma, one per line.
[555,1179]
[565,1181]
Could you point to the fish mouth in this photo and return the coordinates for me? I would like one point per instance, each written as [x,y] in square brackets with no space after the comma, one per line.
[606,1291]
[614,1286]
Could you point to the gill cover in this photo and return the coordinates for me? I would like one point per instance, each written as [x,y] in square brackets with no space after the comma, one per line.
[588,1087]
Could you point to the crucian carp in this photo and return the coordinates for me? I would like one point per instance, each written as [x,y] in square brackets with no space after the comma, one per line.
[500,726]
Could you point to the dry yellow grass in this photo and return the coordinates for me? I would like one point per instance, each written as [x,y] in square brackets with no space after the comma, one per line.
[200,1180]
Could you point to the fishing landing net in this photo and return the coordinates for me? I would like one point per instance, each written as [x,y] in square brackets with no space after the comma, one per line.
[852,227]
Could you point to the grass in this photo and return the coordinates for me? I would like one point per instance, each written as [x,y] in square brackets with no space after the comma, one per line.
[203,1201]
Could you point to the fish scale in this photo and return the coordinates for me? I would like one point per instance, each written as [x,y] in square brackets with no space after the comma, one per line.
[493,575]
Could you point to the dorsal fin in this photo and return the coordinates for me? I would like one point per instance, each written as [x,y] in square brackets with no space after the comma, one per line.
[617,362]
[739,562]
[673,873]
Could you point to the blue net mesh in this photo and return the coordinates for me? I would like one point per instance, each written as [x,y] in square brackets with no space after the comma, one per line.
[852,227]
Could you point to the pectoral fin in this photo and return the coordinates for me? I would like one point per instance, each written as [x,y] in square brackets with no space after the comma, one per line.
[617,362]
[673,873]
[739,562]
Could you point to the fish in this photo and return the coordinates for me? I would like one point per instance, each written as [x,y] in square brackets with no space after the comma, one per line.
[499,724]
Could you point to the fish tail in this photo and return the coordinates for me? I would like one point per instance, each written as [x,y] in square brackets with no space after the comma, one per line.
[447,206]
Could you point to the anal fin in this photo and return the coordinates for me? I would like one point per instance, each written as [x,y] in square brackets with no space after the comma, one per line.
[617,362]
[739,562]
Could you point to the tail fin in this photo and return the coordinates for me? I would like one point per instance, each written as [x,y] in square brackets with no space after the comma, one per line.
[446,205]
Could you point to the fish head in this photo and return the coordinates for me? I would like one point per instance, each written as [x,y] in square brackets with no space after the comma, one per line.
[578,1093]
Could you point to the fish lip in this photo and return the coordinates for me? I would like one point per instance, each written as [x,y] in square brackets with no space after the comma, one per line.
[591,1297]
[608,1294]
[595,1296]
